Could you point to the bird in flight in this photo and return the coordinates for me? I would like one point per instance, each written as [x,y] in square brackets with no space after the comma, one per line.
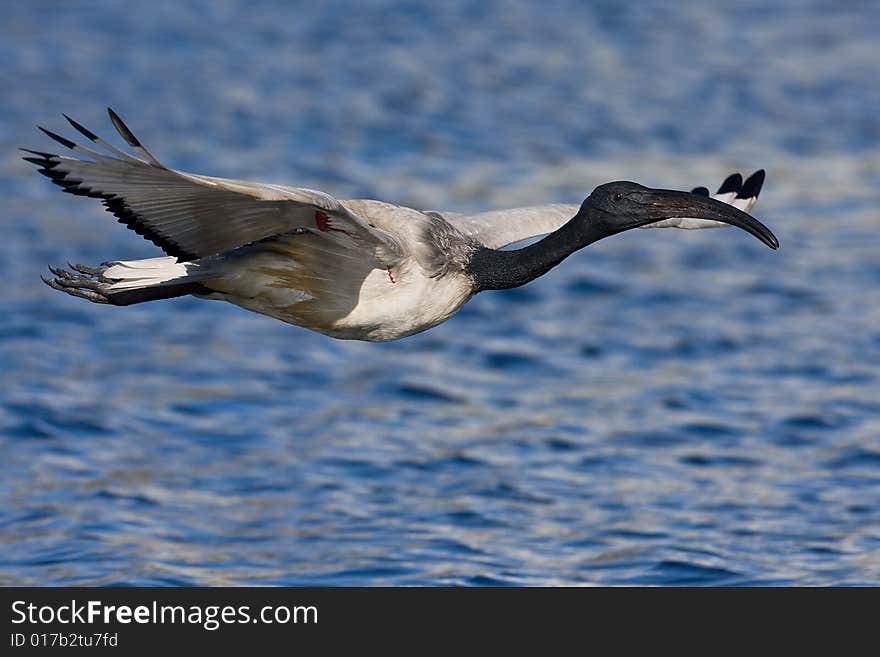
[350,269]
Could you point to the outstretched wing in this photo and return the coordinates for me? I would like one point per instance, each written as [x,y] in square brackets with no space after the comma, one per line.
[499,228]
[191,216]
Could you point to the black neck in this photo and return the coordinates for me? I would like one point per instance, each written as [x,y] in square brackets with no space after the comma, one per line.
[500,270]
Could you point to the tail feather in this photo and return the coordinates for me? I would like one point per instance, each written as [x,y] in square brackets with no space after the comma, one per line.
[129,274]
[125,283]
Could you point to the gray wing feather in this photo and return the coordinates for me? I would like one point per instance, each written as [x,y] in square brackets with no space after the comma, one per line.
[193,216]
[499,228]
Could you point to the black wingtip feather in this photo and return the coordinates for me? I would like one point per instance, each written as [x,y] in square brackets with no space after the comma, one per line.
[123,130]
[48,166]
[752,186]
[700,191]
[61,140]
[40,153]
[733,183]
[39,161]
[84,131]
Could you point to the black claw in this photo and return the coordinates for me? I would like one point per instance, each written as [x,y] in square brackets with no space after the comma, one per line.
[733,183]
[64,281]
[80,282]
[77,286]
[752,186]
[123,130]
[60,273]
[85,131]
[83,269]
[700,191]
[61,140]
[94,297]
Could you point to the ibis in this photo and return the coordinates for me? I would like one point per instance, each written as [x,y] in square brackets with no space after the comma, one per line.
[350,269]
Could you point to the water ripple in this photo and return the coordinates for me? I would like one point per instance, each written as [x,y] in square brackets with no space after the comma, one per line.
[666,408]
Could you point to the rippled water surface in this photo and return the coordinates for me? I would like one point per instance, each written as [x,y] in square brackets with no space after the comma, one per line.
[666,407]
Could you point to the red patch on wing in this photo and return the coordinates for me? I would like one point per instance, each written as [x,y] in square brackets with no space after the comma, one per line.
[322,222]
[390,275]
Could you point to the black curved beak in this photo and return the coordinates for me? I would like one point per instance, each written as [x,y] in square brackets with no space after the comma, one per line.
[657,204]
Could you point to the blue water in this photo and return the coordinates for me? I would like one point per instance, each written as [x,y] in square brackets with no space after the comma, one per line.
[665,407]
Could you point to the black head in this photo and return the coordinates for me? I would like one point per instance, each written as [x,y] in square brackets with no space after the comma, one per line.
[618,206]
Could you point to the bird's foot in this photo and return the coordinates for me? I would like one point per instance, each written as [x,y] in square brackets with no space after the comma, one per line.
[83,282]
